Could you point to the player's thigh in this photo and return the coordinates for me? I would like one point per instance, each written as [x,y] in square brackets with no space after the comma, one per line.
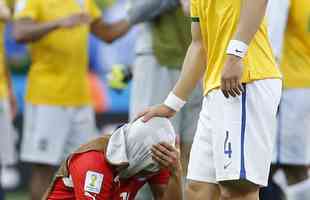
[8,135]
[82,128]
[196,190]
[201,166]
[293,137]
[45,134]
[5,129]
[239,189]
[244,127]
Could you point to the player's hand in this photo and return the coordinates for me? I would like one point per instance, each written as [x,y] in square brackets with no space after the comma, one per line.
[156,111]
[74,20]
[167,156]
[231,77]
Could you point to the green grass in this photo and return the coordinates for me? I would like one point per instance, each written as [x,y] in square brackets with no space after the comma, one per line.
[19,195]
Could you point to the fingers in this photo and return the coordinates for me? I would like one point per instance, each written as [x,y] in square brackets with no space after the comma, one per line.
[169,147]
[166,154]
[149,115]
[224,88]
[141,114]
[160,161]
[231,87]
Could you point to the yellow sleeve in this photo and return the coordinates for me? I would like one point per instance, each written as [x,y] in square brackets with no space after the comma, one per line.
[94,10]
[194,11]
[27,9]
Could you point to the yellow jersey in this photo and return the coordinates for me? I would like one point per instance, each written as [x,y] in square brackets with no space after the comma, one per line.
[295,62]
[3,78]
[218,22]
[58,74]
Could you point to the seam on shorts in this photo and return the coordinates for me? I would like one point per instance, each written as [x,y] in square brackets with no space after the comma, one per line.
[243,125]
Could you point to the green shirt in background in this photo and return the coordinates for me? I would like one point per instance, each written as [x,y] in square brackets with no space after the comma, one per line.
[103,4]
[171,34]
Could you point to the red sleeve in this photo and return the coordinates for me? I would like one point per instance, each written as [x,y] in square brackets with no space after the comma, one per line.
[161,179]
[91,176]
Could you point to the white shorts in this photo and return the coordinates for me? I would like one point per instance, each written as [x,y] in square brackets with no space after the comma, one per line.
[152,84]
[52,132]
[234,138]
[8,155]
[292,144]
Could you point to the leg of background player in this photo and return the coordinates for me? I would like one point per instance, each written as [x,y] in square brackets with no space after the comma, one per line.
[40,180]
[202,191]
[239,190]
[1,190]
[273,191]
[1,194]
[298,182]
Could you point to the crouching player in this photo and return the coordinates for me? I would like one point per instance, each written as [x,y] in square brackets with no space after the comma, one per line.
[115,167]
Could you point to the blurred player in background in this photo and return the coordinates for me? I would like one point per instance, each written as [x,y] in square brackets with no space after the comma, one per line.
[8,105]
[59,116]
[231,153]
[160,50]
[291,20]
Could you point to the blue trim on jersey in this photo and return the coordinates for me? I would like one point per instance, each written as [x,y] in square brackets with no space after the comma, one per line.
[243,123]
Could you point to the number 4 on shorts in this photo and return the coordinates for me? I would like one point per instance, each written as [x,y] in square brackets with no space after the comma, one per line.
[227,146]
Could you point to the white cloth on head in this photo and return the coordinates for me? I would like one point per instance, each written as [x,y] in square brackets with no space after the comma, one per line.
[131,144]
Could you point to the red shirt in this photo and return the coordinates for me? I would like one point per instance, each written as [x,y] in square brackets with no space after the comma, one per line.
[83,166]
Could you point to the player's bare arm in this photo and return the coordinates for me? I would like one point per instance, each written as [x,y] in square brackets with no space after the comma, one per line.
[5,14]
[185,6]
[192,72]
[252,14]
[138,11]
[168,157]
[28,30]
[109,32]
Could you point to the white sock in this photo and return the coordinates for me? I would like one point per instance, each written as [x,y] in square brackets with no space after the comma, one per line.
[299,191]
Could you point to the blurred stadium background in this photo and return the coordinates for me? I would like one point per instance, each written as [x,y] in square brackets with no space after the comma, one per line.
[111,106]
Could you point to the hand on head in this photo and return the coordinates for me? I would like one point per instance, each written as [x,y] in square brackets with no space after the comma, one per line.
[167,156]
[156,111]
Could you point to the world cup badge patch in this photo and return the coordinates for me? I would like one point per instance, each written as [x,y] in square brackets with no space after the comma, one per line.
[93,182]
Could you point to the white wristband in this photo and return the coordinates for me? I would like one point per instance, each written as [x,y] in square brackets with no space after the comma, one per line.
[237,48]
[174,102]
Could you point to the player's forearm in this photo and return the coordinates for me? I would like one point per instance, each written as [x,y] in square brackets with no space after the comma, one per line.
[29,31]
[8,78]
[174,189]
[252,14]
[192,71]
[110,32]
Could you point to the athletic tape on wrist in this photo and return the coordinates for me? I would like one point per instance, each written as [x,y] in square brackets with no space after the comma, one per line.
[174,102]
[237,48]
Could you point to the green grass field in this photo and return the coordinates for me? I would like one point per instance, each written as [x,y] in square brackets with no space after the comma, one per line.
[19,195]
